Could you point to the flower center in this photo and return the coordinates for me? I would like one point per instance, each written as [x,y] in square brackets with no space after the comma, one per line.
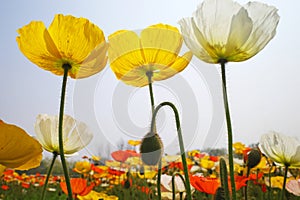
[66,66]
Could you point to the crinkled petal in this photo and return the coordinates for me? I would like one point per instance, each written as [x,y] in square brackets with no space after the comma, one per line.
[94,63]
[75,38]
[295,158]
[46,129]
[124,52]
[17,148]
[161,44]
[191,41]
[76,135]
[265,20]
[37,45]
[293,186]
[240,30]
[213,18]
[180,64]
[281,149]
[78,138]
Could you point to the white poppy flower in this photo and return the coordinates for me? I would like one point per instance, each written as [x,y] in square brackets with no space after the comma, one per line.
[283,150]
[293,186]
[225,30]
[76,135]
[166,182]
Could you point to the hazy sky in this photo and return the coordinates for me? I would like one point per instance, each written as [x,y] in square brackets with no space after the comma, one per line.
[263,91]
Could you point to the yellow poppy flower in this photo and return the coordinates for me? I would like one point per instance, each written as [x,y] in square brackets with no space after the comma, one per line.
[71,41]
[148,174]
[82,167]
[134,142]
[96,158]
[17,149]
[193,153]
[239,148]
[155,52]
[207,164]
[225,30]
[76,135]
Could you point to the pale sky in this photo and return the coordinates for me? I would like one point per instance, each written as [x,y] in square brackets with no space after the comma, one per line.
[263,91]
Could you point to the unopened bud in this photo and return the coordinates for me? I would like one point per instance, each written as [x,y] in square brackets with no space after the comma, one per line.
[254,157]
[151,149]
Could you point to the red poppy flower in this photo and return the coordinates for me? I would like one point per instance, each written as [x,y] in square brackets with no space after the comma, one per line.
[210,185]
[214,158]
[9,172]
[115,172]
[79,187]
[120,156]
[25,184]
[5,187]
[240,181]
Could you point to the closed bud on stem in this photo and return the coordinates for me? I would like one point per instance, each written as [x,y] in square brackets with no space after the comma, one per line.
[151,149]
[253,158]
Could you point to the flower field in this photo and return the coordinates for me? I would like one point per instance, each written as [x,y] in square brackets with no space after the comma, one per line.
[126,177]
[218,32]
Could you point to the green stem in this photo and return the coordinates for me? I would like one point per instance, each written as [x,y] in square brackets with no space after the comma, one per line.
[229,129]
[159,179]
[180,139]
[246,187]
[270,187]
[149,75]
[173,183]
[55,154]
[284,181]
[66,68]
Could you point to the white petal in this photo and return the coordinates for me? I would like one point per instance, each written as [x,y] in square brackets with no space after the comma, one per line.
[265,20]
[240,30]
[191,40]
[295,159]
[213,17]
[293,186]
[78,138]
[280,148]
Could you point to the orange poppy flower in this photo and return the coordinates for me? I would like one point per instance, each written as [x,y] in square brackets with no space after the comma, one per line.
[120,156]
[79,186]
[205,184]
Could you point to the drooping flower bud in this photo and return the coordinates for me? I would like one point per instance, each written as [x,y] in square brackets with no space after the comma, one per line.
[151,149]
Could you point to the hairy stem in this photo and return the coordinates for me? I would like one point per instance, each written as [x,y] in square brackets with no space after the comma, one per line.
[229,129]
[181,144]
[60,130]
[55,154]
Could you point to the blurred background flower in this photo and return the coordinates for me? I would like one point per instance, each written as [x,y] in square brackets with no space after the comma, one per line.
[76,135]
[17,149]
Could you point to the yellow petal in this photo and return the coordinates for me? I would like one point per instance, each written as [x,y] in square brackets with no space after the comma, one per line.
[75,38]
[37,45]
[17,148]
[161,44]
[124,52]
[2,168]
[179,65]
